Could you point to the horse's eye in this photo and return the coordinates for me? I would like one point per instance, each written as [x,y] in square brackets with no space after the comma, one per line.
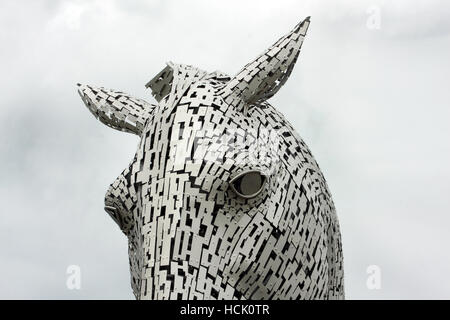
[248,184]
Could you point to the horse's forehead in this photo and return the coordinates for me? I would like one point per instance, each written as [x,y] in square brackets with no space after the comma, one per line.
[202,124]
[202,109]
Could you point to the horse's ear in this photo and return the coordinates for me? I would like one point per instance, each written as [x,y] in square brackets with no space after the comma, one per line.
[116,109]
[173,81]
[263,77]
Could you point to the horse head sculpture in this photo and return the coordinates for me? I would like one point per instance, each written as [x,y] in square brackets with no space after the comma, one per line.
[223,199]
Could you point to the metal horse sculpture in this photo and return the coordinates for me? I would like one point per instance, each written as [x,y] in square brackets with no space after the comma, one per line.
[223,200]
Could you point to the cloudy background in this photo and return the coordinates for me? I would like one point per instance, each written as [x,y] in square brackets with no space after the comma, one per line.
[370,96]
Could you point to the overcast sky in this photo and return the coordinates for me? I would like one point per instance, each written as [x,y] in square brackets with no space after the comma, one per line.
[369,95]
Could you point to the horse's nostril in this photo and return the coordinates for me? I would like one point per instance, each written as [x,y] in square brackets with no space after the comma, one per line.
[110,210]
